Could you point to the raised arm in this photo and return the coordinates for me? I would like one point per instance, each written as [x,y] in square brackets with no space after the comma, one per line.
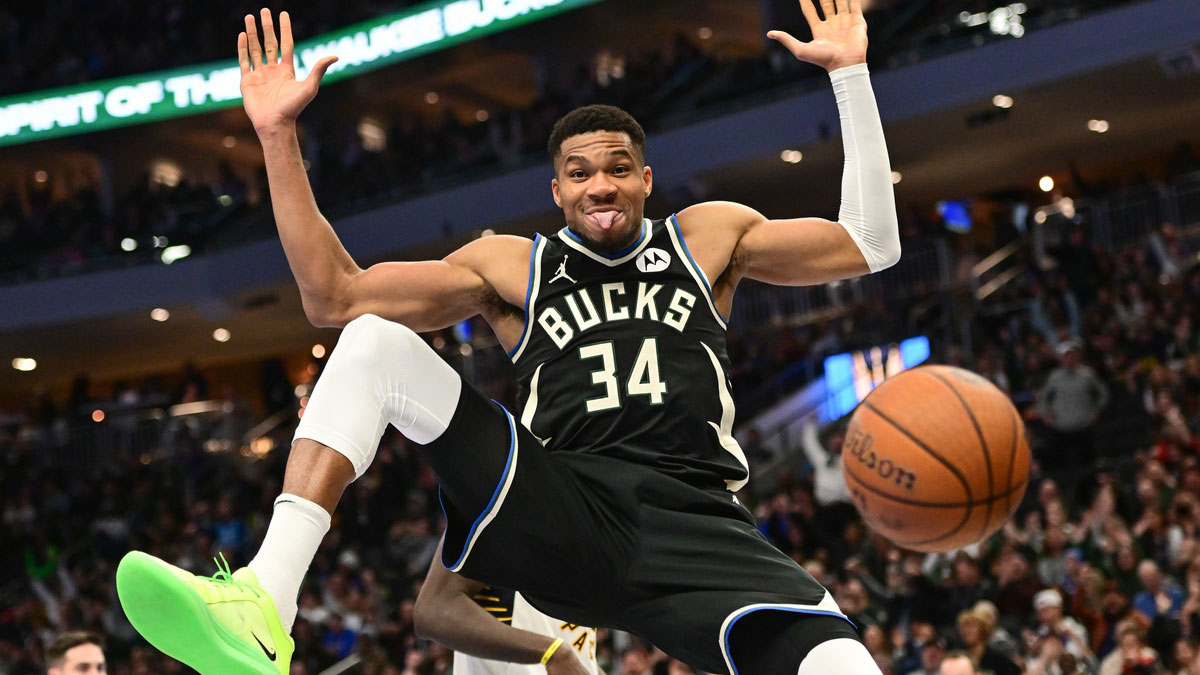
[422,295]
[447,613]
[801,251]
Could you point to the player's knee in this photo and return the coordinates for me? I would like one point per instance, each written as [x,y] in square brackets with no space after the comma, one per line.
[370,340]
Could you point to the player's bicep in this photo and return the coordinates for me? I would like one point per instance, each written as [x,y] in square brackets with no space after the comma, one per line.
[798,252]
[424,296]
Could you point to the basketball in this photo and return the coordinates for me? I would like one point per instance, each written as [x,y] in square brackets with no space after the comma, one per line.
[936,458]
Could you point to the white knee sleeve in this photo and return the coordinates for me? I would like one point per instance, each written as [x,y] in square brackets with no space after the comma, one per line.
[841,655]
[381,372]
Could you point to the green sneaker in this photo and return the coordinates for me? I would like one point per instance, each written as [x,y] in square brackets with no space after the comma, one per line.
[220,625]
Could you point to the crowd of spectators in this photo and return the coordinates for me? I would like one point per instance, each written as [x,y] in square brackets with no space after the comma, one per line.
[51,228]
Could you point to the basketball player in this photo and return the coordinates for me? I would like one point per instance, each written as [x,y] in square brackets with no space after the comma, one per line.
[497,632]
[609,503]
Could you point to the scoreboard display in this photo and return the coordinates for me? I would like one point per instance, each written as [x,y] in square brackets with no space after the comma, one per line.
[849,377]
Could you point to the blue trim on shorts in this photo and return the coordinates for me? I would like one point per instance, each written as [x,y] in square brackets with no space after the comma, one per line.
[612,256]
[512,446]
[699,272]
[528,293]
[729,628]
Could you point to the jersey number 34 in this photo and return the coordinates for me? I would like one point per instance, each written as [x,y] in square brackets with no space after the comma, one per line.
[643,379]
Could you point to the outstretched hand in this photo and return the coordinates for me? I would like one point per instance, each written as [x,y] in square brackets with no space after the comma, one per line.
[270,92]
[839,40]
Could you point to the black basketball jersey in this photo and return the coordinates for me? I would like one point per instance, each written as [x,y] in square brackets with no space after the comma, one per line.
[624,355]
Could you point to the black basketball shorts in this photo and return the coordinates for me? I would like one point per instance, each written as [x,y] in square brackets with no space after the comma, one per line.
[598,541]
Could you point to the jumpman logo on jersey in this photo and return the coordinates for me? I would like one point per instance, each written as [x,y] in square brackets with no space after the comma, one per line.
[562,272]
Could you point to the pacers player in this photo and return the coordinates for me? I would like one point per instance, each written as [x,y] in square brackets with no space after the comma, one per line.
[608,502]
[497,632]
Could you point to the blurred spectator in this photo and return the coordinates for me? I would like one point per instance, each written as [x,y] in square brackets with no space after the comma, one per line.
[1132,656]
[76,653]
[1157,595]
[1070,404]
[974,631]
[958,663]
[1048,604]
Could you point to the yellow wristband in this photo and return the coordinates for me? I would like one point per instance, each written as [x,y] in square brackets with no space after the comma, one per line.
[550,651]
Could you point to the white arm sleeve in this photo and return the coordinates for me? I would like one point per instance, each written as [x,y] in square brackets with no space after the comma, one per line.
[868,204]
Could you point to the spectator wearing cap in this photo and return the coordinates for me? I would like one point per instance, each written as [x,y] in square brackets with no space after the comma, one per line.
[974,629]
[1158,595]
[1048,605]
[1070,403]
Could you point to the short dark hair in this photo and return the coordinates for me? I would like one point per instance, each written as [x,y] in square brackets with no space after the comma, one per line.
[596,118]
[56,653]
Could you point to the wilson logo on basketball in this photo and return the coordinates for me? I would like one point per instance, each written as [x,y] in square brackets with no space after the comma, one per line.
[862,448]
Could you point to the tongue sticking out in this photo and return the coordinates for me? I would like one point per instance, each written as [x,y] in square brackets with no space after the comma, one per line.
[603,219]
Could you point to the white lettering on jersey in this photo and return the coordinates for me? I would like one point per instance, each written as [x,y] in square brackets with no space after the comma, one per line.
[583,314]
[611,314]
[590,321]
[645,301]
[653,260]
[556,327]
[680,309]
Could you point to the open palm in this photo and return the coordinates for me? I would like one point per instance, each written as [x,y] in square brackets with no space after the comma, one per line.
[271,93]
[839,40]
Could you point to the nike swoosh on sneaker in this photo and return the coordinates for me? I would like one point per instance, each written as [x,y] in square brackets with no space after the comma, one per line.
[270,654]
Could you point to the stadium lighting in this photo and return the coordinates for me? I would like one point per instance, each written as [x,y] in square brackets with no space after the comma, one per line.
[128,244]
[705,33]
[229,141]
[97,415]
[41,176]
[372,135]
[489,232]
[481,115]
[432,97]
[1046,183]
[221,335]
[159,314]
[1098,126]
[172,253]
[318,351]
[897,177]
[225,200]
[1002,101]
[791,156]
[24,364]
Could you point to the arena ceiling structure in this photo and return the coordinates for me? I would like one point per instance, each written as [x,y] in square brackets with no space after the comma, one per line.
[956,149]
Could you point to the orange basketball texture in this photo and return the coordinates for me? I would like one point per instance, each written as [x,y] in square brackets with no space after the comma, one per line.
[936,458]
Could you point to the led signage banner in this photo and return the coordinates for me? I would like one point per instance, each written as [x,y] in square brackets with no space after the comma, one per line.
[212,86]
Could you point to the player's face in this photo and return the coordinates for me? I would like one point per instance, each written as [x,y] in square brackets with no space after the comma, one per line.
[602,184]
[84,659]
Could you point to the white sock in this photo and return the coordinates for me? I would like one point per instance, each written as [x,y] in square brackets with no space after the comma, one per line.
[296,530]
[840,655]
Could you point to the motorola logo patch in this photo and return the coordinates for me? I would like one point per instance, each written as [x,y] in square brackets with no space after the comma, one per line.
[653,260]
